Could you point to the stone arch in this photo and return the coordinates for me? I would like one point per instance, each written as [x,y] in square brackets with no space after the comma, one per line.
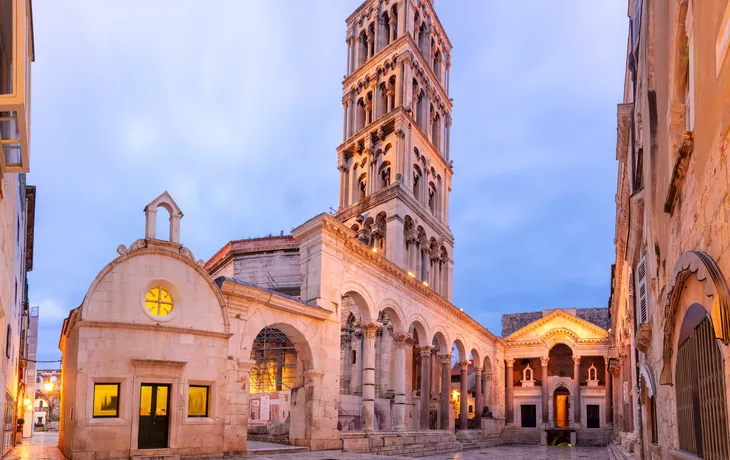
[647,375]
[420,329]
[362,298]
[488,365]
[558,337]
[475,355]
[460,348]
[295,335]
[393,310]
[440,342]
[708,285]
[558,386]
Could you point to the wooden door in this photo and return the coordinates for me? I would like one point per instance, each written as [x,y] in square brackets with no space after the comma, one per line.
[154,416]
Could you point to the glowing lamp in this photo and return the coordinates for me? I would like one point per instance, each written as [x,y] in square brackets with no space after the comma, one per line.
[425,283]
[375,250]
[26,401]
[48,386]
[411,274]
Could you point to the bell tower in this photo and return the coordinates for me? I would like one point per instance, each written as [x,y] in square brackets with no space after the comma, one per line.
[394,162]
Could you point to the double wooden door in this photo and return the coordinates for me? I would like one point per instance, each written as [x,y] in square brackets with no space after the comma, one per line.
[154,418]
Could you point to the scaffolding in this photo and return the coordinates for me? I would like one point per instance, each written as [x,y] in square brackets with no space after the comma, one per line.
[276,362]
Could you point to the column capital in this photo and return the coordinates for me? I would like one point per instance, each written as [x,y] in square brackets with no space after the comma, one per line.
[510,362]
[464,365]
[370,329]
[544,360]
[445,358]
[478,370]
[425,350]
[576,360]
[400,339]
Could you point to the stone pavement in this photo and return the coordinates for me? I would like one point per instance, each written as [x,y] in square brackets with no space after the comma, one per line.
[42,446]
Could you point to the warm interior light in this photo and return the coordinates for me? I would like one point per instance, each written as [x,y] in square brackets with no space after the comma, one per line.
[48,386]
[455,395]
[26,401]
[375,250]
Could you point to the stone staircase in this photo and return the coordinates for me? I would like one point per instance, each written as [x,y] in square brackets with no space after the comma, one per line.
[404,444]
[520,437]
[594,437]
[616,452]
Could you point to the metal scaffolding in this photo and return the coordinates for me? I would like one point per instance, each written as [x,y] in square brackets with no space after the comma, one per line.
[276,362]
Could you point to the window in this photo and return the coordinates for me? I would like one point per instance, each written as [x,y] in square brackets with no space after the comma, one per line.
[198,401]
[651,409]
[106,400]
[158,302]
[642,297]
[7,341]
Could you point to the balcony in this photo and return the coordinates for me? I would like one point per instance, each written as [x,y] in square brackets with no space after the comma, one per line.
[16,54]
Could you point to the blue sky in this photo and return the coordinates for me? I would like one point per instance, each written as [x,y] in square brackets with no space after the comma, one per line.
[235,109]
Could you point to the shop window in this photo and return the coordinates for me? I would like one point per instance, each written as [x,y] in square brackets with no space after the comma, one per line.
[106,400]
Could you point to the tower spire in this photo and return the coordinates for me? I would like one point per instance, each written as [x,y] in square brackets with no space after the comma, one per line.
[394,162]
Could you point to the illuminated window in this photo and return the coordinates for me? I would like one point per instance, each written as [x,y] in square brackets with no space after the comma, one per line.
[198,401]
[276,362]
[106,400]
[159,302]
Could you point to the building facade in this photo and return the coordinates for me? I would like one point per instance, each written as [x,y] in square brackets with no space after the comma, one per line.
[669,298]
[341,335]
[17,207]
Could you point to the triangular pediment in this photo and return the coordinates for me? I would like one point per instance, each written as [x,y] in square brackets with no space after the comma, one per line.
[558,322]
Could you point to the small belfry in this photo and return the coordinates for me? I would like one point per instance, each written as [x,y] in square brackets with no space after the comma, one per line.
[394,162]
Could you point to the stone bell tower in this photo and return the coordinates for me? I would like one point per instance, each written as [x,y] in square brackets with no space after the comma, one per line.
[394,160]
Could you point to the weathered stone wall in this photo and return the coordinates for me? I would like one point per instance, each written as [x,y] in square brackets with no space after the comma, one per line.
[515,321]
[597,316]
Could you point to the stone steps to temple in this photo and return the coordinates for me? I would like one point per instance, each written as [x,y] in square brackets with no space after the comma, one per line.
[284,449]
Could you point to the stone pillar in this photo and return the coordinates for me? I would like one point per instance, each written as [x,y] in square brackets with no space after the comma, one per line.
[343,185]
[478,401]
[368,376]
[509,403]
[607,396]
[425,385]
[576,376]
[445,398]
[355,375]
[464,403]
[424,262]
[399,415]
[545,389]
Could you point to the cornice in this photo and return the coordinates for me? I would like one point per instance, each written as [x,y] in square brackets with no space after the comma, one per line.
[267,298]
[374,62]
[356,247]
[555,314]
[151,327]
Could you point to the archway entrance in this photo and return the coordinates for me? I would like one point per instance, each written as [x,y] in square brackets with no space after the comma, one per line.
[561,408]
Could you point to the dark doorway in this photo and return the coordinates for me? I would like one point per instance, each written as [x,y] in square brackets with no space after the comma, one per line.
[529,416]
[593,414]
[153,416]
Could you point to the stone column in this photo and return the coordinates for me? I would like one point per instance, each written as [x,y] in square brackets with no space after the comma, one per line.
[424,264]
[445,398]
[399,415]
[355,376]
[464,389]
[368,376]
[478,401]
[576,376]
[425,385]
[607,396]
[545,389]
[343,185]
[509,404]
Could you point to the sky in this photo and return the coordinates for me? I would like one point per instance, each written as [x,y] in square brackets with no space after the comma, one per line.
[234,107]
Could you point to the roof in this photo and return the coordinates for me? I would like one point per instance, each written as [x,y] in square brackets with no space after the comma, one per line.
[252,245]
[219,282]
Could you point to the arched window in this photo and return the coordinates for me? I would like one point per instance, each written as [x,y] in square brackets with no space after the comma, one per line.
[276,362]
[362,187]
[417,182]
[437,63]
[361,114]
[436,132]
[385,175]
[391,93]
[432,198]
[363,51]
[700,388]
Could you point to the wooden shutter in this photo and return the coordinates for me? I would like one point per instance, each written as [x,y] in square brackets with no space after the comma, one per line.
[641,287]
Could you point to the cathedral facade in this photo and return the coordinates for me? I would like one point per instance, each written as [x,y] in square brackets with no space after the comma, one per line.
[341,335]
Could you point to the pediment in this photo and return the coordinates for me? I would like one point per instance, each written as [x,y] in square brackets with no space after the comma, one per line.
[558,322]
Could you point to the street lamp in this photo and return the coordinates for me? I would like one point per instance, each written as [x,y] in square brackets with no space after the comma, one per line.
[48,386]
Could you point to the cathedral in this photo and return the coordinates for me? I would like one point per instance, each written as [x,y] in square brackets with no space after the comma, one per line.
[343,335]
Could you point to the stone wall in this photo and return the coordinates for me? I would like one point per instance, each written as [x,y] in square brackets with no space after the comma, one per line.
[515,321]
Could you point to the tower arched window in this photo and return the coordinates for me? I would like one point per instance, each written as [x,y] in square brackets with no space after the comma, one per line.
[391,92]
[385,176]
[362,187]
[436,131]
[432,198]
[437,64]
[361,114]
[417,182]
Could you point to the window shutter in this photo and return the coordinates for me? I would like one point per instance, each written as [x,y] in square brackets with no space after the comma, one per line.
[641,285]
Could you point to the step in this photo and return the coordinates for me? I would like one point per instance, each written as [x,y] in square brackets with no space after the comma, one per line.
[277,450]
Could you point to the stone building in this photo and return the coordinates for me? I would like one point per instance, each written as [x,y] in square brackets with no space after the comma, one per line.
[17,207]
[669,298]
[341,335]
